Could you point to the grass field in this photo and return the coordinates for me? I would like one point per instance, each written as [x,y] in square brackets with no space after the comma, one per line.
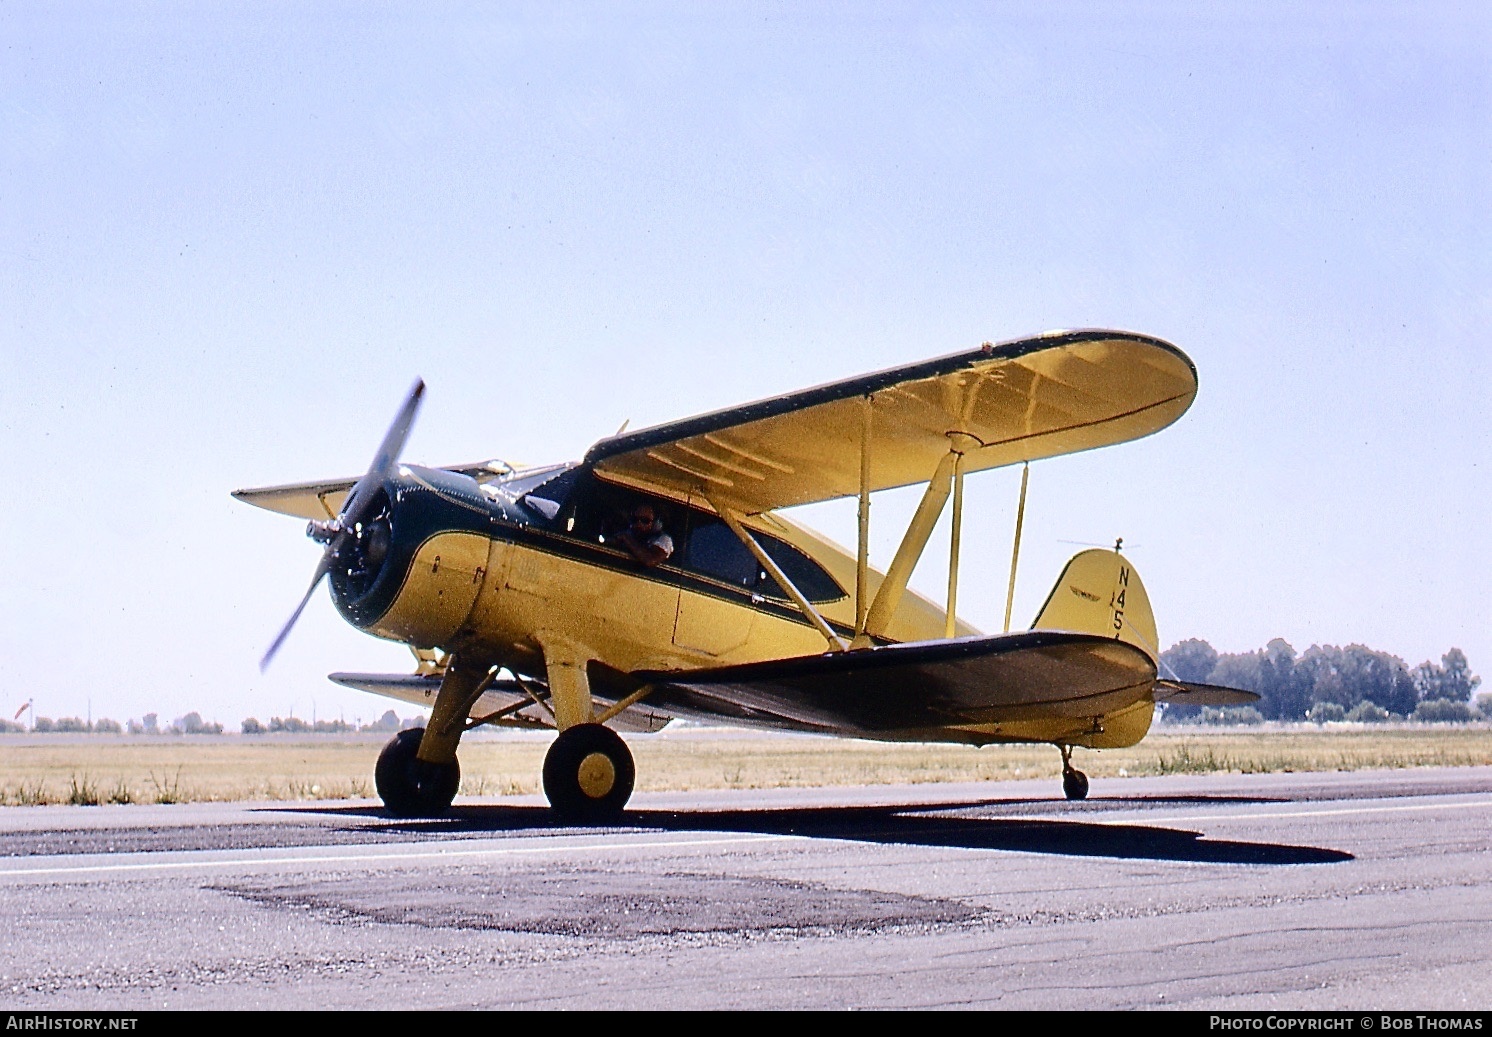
[92,769]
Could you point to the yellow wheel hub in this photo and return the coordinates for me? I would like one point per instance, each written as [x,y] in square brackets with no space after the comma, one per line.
[597,775]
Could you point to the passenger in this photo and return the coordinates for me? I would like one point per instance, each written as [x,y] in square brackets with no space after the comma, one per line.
[645,538]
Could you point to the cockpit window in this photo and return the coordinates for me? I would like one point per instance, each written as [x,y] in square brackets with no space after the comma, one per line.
[571,501]
[807,575]
[714,551]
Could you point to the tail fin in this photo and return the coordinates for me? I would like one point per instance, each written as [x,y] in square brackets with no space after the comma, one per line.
[1099,592]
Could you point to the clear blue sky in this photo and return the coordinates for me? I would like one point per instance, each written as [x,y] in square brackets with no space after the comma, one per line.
[230,236]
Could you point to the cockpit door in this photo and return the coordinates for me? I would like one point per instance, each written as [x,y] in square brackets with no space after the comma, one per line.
[712,617]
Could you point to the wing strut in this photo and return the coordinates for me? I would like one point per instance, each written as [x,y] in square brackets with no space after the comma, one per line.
[960,444]
[862,560]
[1015,552]
[733,520]
[622,705]
[888,597]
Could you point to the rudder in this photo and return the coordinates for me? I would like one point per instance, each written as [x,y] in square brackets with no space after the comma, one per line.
[1099,592]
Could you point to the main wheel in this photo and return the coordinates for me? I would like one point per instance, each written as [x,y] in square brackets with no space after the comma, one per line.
[588,773]
[1074,784]
[410,787]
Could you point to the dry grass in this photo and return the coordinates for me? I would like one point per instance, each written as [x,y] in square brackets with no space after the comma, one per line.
[763,763]
[89,770]
[92,769]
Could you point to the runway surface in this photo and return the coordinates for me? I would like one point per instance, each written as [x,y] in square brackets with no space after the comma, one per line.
[1367,890]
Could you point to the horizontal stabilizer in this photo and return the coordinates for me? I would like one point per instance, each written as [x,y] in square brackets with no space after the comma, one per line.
[1189,693]
[1036,675]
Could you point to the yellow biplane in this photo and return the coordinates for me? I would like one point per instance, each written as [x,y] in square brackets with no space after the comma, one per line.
[655,578]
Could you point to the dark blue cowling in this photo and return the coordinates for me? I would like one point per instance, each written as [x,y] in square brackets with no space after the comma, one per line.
[413,505]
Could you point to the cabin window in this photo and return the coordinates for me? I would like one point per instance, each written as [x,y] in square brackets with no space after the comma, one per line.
[572,501]
[807,575]
[714,551]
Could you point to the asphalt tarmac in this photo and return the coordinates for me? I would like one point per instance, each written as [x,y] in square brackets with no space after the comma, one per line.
[1360,891]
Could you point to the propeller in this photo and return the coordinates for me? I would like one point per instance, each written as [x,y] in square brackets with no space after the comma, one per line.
[358,503]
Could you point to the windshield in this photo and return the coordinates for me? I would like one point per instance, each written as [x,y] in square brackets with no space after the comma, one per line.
[543,492]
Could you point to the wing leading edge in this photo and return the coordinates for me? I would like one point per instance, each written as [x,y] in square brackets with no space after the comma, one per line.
[1056,394]
[920,686]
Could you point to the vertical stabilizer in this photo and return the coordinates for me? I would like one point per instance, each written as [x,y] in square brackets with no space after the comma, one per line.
[1099,592]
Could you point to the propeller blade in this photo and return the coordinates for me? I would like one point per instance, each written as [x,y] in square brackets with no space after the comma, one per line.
[355,507]
[322,568]
[384,461]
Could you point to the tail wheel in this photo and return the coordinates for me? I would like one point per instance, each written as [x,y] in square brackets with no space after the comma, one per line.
[1074,781]
[409,786]
[588,773]
[1074,784]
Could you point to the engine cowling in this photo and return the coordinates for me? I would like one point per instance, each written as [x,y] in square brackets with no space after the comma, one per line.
[414,566]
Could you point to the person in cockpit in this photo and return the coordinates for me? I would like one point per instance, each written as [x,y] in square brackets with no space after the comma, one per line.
[645,538]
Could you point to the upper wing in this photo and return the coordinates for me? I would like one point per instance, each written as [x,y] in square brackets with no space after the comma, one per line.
[1056,394]
[1037,675]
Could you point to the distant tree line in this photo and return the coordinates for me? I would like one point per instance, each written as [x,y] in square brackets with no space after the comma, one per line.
[294,725]
[193,724]
[1330,683]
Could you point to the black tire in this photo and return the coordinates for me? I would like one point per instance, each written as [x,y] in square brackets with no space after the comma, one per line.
[1075,785]
[588,774]
[410,787]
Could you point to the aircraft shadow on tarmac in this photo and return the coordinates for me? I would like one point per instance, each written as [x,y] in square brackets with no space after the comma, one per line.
[932,825]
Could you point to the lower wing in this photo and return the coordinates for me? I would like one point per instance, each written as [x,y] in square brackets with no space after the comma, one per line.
[923,685]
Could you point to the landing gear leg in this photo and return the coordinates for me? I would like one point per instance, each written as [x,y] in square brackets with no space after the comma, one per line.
[1074,781]
[417,773]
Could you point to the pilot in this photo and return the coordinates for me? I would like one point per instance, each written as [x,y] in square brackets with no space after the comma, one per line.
[644,538]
